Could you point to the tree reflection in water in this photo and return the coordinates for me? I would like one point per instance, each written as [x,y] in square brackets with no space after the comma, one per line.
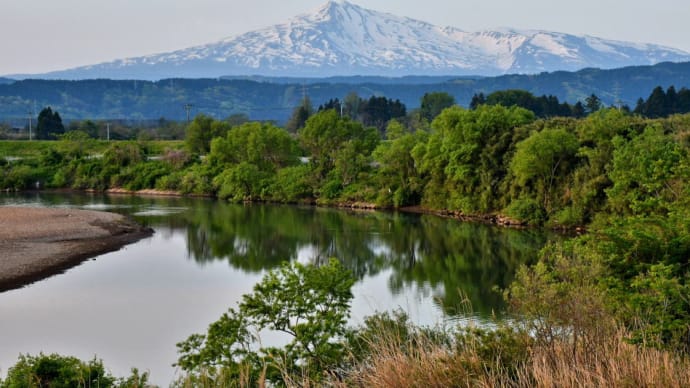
[452,259]
[449,258]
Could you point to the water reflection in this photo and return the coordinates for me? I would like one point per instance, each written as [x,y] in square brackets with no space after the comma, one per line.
[451,259]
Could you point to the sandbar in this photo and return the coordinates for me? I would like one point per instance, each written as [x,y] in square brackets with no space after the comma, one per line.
[36,243]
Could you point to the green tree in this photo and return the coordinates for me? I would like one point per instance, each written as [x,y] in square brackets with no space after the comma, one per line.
[648,173]
[201,131]
[264,145]
[300,115]
[49,124]
[326,134]
[241,182]
[463,160]
[592,103]
[542,159]
[560,300]
[307,303]
[432,104]
[397,174]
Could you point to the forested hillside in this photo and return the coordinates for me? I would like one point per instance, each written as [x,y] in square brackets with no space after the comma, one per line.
[275,100]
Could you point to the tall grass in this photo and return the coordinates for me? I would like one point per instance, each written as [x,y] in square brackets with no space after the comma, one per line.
[426,363]
[615,363]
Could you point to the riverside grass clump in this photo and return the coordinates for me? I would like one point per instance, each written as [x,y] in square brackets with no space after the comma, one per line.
[481,362]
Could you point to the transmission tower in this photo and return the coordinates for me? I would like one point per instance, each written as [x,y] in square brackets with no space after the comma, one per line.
[188,109]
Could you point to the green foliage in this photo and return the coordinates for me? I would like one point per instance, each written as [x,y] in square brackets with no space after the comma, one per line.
[263,145]
[198,180]
[201,131]
[291,184]
[397,174]
[140,176]
[592,103]
[544,106]
[300,115]
[543,159]
[242,182]
[464,158]
[501,350]
[309,304]
[432,104]
[249,157]
[337,145]
[647,173]
[560,299]
[75,144]
[527,210]
[49,124]
[56,371]
[663,104]
[660,302]
[123,154]
[376,328]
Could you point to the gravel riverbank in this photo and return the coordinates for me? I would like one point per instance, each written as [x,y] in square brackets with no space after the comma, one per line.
[36,243]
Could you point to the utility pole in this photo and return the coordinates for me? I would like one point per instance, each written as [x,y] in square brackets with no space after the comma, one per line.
[188,108]
[107,131]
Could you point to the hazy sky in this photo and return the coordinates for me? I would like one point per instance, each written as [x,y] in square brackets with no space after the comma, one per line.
[44,35]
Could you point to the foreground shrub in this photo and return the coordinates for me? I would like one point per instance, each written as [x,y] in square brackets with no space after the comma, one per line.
[56,371]
[309,304]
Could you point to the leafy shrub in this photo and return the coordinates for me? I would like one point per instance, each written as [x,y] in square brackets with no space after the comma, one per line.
[292,184]
[527,210]
[57,371]
[197,180]
[141,176]
[171,181]
[243,182]
[568,217]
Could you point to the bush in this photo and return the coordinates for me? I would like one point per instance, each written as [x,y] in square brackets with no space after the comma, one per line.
[197,180]
[141,176]
[291,184]
[56,371]
[527,210]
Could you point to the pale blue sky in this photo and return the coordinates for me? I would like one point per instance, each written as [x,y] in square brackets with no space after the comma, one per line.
[44,35]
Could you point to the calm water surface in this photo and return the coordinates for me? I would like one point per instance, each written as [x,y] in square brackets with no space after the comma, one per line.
[130,307]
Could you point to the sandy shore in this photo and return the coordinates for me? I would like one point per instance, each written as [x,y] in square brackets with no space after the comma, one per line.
[39,242]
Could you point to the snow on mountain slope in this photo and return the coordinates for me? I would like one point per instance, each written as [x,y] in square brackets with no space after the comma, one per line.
[343,39]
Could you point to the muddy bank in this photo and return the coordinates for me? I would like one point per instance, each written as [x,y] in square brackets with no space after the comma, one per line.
[36,243]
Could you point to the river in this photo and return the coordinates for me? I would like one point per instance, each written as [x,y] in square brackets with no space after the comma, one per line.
[130,307]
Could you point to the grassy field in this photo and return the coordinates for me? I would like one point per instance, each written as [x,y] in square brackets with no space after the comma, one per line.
[32,149]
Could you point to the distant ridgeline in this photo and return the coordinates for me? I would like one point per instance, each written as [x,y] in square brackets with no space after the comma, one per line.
[275,99]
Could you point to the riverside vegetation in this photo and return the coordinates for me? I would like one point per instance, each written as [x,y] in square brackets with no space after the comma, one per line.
[610,307]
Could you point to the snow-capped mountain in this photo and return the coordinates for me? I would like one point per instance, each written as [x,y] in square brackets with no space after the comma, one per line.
[341,39]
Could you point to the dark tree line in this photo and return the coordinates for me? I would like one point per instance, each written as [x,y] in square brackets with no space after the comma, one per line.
[664,104]
[544,106]
[372,112]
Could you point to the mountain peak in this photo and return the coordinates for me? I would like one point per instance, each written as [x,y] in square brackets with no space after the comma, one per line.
[342,39]
[330,10]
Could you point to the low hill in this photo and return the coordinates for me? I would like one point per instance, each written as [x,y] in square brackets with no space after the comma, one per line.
[274,99]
